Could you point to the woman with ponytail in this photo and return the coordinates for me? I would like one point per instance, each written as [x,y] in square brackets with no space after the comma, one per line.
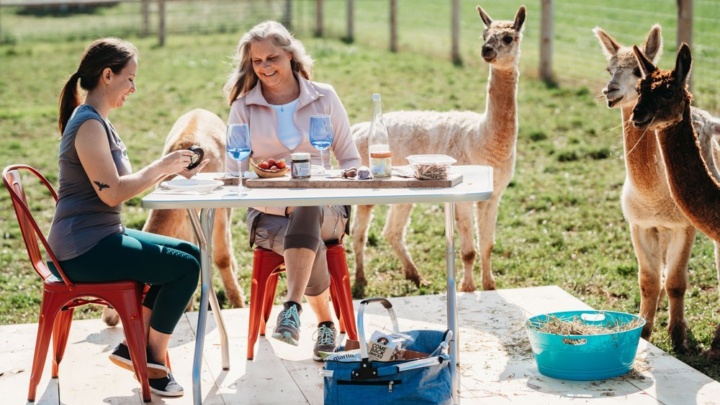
[95,178]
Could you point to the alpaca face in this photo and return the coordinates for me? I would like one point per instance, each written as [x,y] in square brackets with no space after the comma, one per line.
[501,39]
[623,67]
[663,94]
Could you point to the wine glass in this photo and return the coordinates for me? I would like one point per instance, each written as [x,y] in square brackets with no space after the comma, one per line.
[238,146]
[321,136]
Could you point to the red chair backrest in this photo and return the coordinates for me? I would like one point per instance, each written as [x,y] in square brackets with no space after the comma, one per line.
[32,234]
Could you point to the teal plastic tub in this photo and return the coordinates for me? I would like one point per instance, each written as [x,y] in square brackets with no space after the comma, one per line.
[585,357]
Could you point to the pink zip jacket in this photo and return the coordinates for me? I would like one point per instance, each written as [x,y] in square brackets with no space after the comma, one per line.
[315,98]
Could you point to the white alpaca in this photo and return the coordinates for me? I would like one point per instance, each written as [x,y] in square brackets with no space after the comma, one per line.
[661,234]
[205,129]
[469,137]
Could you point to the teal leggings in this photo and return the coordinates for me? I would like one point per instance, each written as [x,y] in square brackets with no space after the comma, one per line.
[171,267]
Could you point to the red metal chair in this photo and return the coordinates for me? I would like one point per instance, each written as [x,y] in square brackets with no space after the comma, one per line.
[267,265]
[60,297]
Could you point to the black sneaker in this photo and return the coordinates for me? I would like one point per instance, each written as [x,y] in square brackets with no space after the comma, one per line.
[324,341]
[121,357]
[288,326]
[166,386]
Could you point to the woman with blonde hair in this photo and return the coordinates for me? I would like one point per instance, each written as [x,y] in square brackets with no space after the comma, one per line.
[270,90]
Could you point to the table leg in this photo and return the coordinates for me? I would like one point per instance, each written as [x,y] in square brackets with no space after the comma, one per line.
[204,226]
[207,220]
[451,296]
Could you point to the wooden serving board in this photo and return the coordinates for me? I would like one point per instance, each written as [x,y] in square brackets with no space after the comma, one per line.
[338,182]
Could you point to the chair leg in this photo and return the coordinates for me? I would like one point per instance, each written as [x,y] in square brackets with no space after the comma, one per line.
[340,286]
[130,311]
[270,290]
[255,309]
[48,312]
[264,280]
[61,332]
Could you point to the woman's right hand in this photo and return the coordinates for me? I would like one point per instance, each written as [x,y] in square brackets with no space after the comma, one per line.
[176,162]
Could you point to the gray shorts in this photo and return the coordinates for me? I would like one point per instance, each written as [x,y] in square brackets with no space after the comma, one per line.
[307,227]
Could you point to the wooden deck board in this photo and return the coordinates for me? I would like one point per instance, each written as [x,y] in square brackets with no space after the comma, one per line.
[497,366]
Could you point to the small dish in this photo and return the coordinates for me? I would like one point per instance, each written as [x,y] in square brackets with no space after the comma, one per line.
[317,170]
[194,185]
[430,167]
[269,173]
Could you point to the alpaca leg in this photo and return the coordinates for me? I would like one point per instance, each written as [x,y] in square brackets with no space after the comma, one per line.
[110,316]
[646,244]
[359,232]
[713,353]
[486,219]
[398,219]
[717,260]
[464,223]
[678,254]
[224,258]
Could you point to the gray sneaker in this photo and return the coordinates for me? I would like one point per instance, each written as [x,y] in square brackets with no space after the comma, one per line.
[325,338]
[288,326]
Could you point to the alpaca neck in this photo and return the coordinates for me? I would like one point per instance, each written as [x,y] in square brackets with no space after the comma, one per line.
[643,163]
[692,186]
[501,107]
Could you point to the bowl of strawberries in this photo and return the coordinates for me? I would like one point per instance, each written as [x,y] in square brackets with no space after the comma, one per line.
[270,168]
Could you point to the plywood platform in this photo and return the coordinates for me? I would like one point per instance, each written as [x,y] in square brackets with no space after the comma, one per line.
[496,363]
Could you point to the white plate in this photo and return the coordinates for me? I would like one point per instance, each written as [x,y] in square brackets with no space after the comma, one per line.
[194,185]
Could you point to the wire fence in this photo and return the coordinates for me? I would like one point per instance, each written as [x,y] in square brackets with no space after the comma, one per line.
[423,26]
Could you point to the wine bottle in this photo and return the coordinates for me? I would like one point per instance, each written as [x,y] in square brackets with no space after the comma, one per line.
[378,143]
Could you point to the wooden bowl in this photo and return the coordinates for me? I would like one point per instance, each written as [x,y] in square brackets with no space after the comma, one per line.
[269,173]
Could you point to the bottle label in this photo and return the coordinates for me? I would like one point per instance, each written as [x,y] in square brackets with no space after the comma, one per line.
[381,164]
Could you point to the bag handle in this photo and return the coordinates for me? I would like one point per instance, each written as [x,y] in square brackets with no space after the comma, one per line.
[361,325]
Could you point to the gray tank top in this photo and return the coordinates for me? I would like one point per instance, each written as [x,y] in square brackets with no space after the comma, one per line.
[81,218]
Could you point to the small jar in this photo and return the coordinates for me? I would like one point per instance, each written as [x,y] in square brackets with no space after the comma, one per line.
[300,167]
[381,164]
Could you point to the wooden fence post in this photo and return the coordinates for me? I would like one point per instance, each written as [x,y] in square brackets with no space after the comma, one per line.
[685,22]
[318,18]
[287,16]
[546,41]
[161,22]
[456,59]
[350,36]
[393,25]
[685,26]
[145,17]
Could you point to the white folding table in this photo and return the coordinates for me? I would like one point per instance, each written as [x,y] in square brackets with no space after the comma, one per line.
[477,185]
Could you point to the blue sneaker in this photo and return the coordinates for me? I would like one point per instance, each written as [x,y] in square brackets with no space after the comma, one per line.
[288,326]
[325,337]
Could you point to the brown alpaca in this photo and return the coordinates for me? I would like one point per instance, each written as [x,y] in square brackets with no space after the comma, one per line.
[662,236]
[664,106]
[469,137]
[206,129]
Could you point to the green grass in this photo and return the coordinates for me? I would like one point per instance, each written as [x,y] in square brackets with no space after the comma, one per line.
[560,220]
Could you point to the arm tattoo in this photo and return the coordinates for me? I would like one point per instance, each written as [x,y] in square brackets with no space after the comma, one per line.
[100,185]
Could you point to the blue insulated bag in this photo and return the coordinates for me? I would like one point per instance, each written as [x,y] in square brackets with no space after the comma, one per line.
[417,381]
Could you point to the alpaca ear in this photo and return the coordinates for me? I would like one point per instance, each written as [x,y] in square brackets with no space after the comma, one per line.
[683,63]
[653,44]
[646,66]
[519,19]
[485,17]
[608,44]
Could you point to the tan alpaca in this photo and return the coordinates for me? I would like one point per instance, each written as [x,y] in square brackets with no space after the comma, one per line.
[469,137]
[206,129]
[663,106]
[661,235]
